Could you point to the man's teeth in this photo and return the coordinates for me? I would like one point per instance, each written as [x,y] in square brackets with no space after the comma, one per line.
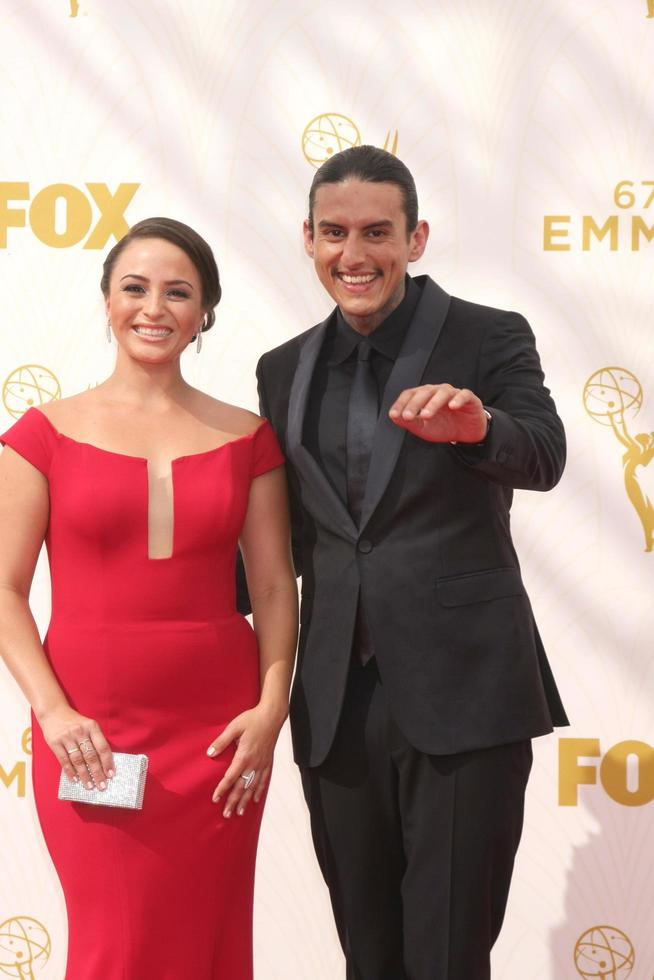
[357,280]
[153,331]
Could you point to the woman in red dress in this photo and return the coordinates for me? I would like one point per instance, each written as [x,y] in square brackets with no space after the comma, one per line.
[142,489]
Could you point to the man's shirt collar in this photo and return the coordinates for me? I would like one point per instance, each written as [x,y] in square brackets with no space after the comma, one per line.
[387,338]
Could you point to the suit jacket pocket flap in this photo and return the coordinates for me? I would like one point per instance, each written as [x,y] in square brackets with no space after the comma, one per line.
[495,583]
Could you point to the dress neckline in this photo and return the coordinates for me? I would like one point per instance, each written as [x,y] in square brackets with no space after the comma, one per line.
[144,459]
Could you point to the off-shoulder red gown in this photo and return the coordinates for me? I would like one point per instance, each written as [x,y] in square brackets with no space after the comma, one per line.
[155,651]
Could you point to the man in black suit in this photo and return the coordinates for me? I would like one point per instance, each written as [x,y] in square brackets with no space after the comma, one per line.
[407,418]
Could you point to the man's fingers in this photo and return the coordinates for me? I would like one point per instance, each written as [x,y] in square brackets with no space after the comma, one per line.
[463,397]
[444,397]
[400,402]
[413,401]
[432,405]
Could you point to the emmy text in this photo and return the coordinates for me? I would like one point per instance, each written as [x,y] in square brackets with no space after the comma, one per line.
[562,232]
[15,777]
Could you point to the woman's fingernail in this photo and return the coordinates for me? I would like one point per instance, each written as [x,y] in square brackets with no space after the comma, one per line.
[110,774]
[227,812]
[241,811]
[89,785]
[211,750]
[103,785]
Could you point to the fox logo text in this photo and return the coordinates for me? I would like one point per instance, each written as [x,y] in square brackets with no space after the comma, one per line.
[625,772]
[61,215]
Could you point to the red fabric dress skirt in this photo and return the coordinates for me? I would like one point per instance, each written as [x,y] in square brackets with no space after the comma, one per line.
[154,650]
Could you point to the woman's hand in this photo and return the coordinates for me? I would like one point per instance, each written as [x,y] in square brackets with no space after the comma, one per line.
[255,733]
[79,745]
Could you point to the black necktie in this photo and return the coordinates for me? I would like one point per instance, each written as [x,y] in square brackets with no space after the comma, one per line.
[362,412]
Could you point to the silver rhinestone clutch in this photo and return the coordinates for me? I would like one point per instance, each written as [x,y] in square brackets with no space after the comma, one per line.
[125,789]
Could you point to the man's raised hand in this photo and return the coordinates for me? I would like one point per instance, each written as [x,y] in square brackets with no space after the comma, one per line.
[441,413]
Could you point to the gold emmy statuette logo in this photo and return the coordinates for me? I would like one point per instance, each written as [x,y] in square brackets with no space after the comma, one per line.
[613,395]
[24,943]
[331,132]
[31,384]
[650,8]
[604,953]
[74,8]
[328,134]
[391,145]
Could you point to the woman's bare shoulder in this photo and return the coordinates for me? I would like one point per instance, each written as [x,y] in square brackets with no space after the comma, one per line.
[62,409]
[229,418]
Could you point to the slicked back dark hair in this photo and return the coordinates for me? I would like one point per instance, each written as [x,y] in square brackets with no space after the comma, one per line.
[368,163]
[183,237]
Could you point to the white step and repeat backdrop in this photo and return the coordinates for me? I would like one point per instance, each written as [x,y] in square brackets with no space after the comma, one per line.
[529,127]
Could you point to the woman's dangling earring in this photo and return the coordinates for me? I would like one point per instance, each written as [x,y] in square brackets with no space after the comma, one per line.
[199,343]
[109,331]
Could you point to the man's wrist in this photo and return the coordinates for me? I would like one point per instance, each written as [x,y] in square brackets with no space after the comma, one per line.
[489,419]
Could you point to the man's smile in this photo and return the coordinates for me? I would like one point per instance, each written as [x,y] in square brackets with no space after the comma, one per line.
[357,283]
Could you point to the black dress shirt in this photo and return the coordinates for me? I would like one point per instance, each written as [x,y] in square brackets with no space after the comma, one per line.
[325,425]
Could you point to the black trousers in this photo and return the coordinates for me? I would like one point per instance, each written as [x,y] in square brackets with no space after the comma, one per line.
[417,850]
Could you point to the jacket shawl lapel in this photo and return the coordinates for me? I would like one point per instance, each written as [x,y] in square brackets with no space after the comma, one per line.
[318,495]
[420,340]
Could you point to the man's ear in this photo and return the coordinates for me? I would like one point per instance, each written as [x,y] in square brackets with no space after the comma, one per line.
[308,239]
[419,237]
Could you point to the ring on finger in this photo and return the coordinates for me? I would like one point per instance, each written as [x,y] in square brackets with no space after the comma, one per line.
[72,751]
[248,777]
[86,741]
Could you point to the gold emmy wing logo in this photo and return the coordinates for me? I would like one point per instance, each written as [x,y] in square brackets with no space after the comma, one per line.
[332,132]
[612,396]
[74,8]
[31,384]
[604,953]
[650,8]
[24,943]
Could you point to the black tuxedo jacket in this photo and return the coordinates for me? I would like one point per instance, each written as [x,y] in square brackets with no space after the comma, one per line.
[457,647]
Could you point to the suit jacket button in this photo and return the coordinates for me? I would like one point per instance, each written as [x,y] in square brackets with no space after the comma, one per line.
[365,546]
